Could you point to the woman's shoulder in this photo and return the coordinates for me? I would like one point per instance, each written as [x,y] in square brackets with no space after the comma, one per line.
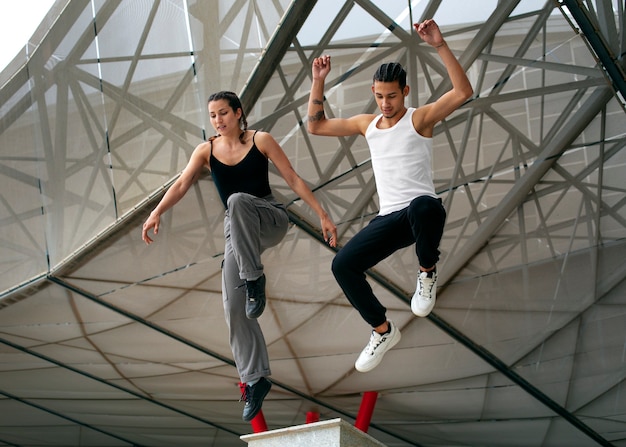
[204,147]
[259,138]
[254,134]
[203,152]
[264,142]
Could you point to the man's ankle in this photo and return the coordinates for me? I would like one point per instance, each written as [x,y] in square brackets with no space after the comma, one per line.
[430,271]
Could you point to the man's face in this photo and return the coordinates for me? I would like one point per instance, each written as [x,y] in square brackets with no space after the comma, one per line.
[389,97]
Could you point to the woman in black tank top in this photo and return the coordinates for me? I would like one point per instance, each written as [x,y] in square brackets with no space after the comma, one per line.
[254,220]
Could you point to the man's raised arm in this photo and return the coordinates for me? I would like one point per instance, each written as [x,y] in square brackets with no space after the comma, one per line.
[317,123]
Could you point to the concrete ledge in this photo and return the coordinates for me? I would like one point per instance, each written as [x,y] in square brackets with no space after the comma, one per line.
[331,433]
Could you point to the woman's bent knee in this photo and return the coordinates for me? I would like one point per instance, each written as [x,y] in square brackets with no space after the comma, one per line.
[236,198]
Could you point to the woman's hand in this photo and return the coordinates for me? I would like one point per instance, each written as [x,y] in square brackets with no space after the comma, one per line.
[329,230]
[153,222]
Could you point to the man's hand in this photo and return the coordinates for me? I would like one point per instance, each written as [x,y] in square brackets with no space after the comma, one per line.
[429,32]
[321,67]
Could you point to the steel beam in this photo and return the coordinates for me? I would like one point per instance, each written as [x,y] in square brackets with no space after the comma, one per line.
[275,50]
[599,44]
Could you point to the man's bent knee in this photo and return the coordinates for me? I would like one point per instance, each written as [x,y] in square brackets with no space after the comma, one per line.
[337,265]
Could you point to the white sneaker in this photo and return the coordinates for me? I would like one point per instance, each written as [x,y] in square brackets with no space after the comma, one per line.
[423,300]
[373,353]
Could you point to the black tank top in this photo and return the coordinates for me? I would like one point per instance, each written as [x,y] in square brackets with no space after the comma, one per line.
[250,175]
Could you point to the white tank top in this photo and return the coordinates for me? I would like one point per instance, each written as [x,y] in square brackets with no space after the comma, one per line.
[402,163]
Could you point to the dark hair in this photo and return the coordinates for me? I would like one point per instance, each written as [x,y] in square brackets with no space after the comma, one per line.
[391,72]
[235,103]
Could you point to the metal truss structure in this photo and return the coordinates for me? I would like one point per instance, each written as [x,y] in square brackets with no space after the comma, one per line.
[106,341]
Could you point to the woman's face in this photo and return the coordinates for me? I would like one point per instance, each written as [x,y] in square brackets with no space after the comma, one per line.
[223,118]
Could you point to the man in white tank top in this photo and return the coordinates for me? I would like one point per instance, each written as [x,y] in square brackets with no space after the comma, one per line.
[400,142]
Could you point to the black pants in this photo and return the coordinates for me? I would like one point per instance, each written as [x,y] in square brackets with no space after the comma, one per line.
[421,223]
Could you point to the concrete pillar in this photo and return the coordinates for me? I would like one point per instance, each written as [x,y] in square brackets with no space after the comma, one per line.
[331,433]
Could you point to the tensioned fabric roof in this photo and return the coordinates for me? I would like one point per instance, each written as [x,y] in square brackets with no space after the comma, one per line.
[105,341]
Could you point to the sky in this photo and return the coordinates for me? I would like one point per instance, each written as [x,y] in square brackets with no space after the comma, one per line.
[18,21]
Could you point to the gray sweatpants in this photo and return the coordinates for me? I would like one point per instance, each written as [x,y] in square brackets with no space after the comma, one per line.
[251,225]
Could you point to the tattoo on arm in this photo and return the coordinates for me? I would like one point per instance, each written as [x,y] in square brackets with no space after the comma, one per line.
[317,117]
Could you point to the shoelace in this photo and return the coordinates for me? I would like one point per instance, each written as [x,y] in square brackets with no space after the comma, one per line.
[375,341]
[427,285]
[251,298]
[245,392]
[255,289]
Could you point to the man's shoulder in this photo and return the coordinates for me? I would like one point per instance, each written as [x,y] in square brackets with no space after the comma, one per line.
[418,118]
[364,120]
[364,117]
